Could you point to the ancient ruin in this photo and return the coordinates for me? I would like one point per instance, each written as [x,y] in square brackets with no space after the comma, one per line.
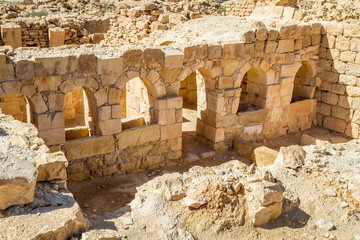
[221,114]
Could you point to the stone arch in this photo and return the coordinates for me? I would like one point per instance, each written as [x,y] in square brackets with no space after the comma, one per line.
[304,82]
[79,113]
[253,90]
[17,105]
[137,102]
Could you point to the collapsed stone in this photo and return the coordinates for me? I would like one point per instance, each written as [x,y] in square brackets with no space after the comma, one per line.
[17,181]
[291,157]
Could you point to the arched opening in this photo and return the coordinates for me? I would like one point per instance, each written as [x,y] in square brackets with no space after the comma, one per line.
[135,104]
[77,114]
[253,90]
[193,92]
[303,83]
[18,106]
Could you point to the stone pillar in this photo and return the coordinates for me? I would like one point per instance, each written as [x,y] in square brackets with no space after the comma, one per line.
[56,37]
[11,35]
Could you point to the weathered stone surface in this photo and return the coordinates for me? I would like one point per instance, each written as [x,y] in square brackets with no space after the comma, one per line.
[88,147]
[17,181]
[291,157]
[51,166]
[53,215]
[264,156]
[266,192]
[261,215]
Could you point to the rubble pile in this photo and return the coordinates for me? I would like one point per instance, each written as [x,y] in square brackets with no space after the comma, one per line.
[33,187]
[138,22]
[329,10]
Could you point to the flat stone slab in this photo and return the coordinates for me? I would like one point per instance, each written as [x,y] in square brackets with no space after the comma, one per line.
[17,181]
[53,215]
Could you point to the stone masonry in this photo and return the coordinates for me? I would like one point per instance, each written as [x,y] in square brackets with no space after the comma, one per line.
[294,77]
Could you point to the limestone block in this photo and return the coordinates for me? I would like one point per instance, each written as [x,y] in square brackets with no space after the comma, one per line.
[110,126]
[273,34]
[266,192]
[324,109]
[338,89]
[24,69]
[56,215]
[232,51]
[174,103]
[253,117]
[289,70]
[171,131]
[51,166]
[348,56]
[271,46]
[334,29]
[226,82]
[351,30]
[214,134]
[342,43]
[47,83]
[353,69]
[132,58]
[261,215]
[244,149]
[154,160]
[173,59]
[17,181]
[88,147]
[11,35]
[345,102]
[50,66]
[291,157]
[285,45]
[56,37]
[330,98]
[87,63]
[7,72]
[166,117]
[110,65]
[335,124]
[264,156]
[53,136]
[262,34]
[214,51]
[154,55]
[229,67]
[340,112]
[138,136]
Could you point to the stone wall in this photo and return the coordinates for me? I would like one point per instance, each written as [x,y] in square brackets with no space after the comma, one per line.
[269,58]
[35,31]
[339,70]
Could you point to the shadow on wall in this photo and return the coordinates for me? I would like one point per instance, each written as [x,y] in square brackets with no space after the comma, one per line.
[338,106]
[17,105]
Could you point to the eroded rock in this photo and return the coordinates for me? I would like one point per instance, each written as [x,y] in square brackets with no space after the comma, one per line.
[17,181]
[291,157]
